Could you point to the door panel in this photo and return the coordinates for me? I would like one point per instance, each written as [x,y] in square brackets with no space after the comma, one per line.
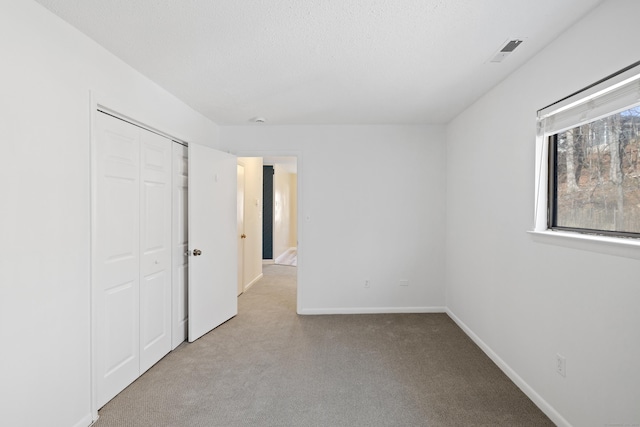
[116,255]
[155,242]
[121,340]
[153,327]
[213,275]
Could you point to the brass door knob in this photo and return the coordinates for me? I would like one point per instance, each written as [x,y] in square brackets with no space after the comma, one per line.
[243,236]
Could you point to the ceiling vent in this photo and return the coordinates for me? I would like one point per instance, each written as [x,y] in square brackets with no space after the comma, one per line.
[506,50]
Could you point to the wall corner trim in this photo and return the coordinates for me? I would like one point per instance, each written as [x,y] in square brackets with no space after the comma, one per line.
[538,400]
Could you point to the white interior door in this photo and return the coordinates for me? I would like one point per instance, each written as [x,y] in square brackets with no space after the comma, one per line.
[180,244]
[241,236]
[115,256]
[213,274]
[155,248]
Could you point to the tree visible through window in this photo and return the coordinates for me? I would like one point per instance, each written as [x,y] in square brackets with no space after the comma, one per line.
[595,184]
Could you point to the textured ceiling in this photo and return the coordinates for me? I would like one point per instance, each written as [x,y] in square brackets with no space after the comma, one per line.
[322,61]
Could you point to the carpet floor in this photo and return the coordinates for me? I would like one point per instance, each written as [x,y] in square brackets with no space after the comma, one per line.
[270,367]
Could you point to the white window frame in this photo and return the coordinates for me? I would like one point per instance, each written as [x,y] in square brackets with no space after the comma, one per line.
[612,94]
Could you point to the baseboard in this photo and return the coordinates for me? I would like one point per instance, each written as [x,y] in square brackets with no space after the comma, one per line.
[371,310]
[253,282]
[267,262]
[85,421]
[544,406]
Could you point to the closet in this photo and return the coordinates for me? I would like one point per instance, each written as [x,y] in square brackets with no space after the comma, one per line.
[148,295]
[131,252]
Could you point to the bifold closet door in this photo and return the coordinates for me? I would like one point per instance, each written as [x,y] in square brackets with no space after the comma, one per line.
[155,248]
[116,255]
[131,254]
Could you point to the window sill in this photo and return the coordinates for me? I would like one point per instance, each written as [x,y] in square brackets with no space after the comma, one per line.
[616,246]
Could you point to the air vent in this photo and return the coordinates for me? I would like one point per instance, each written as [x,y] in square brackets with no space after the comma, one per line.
[506,50]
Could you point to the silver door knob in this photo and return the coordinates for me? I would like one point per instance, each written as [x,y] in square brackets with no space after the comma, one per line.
[197,252]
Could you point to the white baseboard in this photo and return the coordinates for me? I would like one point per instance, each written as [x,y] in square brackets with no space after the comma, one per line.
[544,406]
[85,421]
[253,282]
[371,310]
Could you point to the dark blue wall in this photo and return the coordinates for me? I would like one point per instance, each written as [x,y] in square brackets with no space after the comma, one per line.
[267,212]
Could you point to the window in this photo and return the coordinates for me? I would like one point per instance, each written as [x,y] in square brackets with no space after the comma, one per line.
[588,168]
[595,183]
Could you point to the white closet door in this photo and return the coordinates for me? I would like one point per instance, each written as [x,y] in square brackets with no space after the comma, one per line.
[180,244]
[155,248]
[131,254]
[213,271]
[116,260]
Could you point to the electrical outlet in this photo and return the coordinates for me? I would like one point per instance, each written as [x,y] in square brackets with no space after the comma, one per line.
[561,365]
[367,284]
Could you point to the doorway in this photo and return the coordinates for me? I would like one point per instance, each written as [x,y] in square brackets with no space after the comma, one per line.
[284,227]
[283,205]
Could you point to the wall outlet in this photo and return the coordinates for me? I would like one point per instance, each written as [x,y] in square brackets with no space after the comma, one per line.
[404,283]
[367,284]
[561,365]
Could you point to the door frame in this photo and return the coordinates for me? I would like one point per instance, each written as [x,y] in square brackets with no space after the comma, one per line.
[241,242]
[300,219]
[135,116]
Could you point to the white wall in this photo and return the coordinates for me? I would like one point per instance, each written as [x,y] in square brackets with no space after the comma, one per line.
[527,300]
[252,218]
[282,210]
[371,206]
[48,70]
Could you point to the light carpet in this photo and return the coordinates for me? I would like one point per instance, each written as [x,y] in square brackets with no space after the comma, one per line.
[270,367]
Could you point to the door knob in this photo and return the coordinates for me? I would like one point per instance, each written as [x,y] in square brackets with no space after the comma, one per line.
[243,236]
[197,252]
